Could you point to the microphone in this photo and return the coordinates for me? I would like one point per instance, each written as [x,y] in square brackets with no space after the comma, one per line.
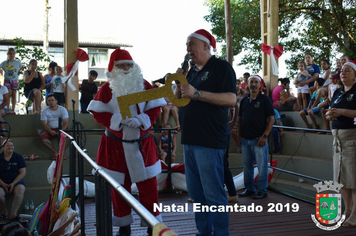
[185,62]
[73,101]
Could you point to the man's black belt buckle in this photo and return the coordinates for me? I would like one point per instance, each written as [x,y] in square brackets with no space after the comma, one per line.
[112,136]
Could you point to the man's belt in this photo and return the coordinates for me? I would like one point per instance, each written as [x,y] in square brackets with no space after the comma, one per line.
[113,136]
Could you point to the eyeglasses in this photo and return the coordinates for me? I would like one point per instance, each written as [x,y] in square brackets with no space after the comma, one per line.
[9,166]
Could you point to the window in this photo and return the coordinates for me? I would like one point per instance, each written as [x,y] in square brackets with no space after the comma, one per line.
[98,58]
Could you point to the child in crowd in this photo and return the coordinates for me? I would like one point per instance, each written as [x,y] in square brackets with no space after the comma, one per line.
[302,91]
[244,83]
[317,97]
[88,89]
[163,144]
[277,132]
[11,67]
[58,86]
[334,84]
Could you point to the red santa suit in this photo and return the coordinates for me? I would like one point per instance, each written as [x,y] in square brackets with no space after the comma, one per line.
[128,162]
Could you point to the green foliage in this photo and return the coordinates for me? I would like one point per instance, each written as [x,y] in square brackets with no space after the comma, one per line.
[25,54]
[321,27]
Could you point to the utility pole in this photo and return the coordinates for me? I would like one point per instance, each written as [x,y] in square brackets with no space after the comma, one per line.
[228,31]
[45,28]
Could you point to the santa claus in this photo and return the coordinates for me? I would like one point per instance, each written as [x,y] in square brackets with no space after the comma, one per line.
[127,151]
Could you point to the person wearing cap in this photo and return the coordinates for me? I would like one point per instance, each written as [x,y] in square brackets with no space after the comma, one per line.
[88,88]
[342,113]
[211,88]
[12,172]
[256,118]
[127,150]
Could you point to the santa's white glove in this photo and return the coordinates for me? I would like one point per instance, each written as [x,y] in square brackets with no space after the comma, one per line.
[132,122]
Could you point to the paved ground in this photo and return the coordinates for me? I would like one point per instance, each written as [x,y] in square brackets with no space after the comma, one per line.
[285,222]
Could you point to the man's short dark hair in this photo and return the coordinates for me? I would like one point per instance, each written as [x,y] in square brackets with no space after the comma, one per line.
[247,74]
[51,95]
[93,73]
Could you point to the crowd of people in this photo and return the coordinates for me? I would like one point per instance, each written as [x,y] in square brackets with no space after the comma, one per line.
[36,85]
[238,108]
[53,117]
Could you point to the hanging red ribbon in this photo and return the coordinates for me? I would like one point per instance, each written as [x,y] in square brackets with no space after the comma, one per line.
[277,50]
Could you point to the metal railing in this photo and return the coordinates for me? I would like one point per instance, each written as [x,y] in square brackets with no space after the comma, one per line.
[291,172]
[103,183]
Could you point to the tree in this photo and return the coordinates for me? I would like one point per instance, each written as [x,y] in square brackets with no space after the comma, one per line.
[321,27]
[25,54]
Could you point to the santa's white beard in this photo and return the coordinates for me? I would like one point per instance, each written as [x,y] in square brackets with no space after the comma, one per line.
[126,82]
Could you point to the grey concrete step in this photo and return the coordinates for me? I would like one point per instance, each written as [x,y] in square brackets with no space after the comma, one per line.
[292,118]
[306,144]
[321,168]
[29,125]
[303,190]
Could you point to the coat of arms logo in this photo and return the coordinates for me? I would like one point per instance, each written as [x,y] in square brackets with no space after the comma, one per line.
[328,206]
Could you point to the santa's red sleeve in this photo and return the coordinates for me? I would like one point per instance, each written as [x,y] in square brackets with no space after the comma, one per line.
[100,105]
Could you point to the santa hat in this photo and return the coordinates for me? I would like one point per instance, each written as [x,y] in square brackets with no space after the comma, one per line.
[204,36]
[4,141]
[259,78]
[256,77]
[352,64]
[119,56]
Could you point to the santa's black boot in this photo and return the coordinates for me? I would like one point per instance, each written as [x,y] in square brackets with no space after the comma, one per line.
[124,231]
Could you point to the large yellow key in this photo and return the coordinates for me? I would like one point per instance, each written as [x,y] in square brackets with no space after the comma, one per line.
[152,94]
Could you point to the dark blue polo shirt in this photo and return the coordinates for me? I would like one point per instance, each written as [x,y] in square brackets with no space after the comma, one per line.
[204,124]
[254,115]
[344,100]
[9,170]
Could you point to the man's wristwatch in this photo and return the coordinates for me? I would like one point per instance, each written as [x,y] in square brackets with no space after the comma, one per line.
[265,136]
[196,95]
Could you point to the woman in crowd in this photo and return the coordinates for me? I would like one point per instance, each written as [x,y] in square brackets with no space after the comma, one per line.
[325,65]
[34,84]
[49,76]
[313,71]
[336,75]
[11,68]
[234,111]
[342,113]
[12,172]
[282,100]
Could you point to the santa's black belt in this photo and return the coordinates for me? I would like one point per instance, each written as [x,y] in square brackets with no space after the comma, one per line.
[113,136]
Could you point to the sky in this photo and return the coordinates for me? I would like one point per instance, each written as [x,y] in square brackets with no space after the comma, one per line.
[157,29]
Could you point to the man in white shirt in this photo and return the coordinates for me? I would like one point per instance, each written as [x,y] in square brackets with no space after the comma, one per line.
[50,122]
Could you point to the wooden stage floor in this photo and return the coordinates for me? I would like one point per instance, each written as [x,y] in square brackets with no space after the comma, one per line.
[290,223]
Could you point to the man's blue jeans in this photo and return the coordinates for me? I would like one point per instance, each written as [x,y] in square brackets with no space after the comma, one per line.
[251,153]
[204,172]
